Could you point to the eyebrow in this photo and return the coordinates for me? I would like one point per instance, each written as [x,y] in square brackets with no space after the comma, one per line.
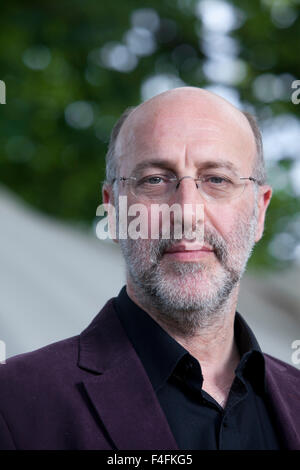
[166,164]
[156,162]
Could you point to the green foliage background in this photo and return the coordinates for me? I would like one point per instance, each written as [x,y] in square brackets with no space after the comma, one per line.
[58,168]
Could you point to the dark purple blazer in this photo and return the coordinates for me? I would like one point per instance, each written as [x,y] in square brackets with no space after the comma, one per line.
[92,392]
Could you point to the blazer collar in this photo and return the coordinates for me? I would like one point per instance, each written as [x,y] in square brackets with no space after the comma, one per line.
[284,395]
[119,388]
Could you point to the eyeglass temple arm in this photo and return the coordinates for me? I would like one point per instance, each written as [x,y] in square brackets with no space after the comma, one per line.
[122,178]
[249,178]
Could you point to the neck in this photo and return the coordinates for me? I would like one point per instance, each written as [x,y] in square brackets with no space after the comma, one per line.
[212,345]
[217,353]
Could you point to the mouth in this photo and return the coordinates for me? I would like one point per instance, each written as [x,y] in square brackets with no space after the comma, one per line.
[190,252]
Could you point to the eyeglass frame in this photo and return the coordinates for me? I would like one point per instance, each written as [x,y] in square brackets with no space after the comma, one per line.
[123,178]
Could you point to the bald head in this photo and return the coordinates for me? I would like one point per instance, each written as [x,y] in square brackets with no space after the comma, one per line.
[185,112]
[188,101]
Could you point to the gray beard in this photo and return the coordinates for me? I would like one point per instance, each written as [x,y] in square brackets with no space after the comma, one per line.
[173,293]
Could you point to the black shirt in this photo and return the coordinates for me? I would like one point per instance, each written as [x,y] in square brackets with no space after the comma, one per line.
[196,420]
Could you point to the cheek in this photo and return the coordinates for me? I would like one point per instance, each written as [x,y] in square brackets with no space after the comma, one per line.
[222,221]
[227,218]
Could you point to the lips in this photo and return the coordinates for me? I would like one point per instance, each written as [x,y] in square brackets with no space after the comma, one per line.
[188,253]
[188,248]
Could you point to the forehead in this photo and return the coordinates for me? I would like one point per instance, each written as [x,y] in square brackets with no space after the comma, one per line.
[186,133]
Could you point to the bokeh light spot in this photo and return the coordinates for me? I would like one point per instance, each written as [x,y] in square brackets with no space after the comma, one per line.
[79,115]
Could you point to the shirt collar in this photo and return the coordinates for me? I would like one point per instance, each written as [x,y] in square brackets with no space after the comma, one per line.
[157,350]
[160,353]
[252,363]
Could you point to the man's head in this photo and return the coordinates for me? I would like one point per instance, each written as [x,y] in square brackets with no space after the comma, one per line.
[190,132]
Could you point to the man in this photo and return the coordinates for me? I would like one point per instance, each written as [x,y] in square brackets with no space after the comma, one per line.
[169,363]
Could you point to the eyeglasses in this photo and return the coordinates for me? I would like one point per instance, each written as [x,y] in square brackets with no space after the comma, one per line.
[160,187]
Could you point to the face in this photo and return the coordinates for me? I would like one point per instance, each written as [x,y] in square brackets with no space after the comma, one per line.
[184,134]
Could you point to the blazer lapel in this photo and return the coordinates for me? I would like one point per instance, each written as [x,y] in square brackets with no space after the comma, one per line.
[283,390]
[121,393]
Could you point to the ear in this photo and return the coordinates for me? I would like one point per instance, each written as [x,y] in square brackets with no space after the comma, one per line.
[108,198]
[264,198]
[107,194]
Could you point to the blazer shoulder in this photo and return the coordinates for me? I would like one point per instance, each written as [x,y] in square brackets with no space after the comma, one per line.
[277,366]
[54,356]
[56,360]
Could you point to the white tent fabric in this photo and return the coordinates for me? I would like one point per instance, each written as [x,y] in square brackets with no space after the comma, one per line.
[54,279]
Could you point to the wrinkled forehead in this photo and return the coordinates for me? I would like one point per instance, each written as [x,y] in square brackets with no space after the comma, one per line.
[172,128]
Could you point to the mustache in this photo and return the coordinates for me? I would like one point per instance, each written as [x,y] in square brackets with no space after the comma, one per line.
[211,238]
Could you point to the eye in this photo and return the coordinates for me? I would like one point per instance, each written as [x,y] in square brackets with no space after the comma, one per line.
[152,180]
[217,180]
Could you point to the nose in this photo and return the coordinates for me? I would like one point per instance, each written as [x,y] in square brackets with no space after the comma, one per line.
[188,196]
[184,178]
[187,191]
